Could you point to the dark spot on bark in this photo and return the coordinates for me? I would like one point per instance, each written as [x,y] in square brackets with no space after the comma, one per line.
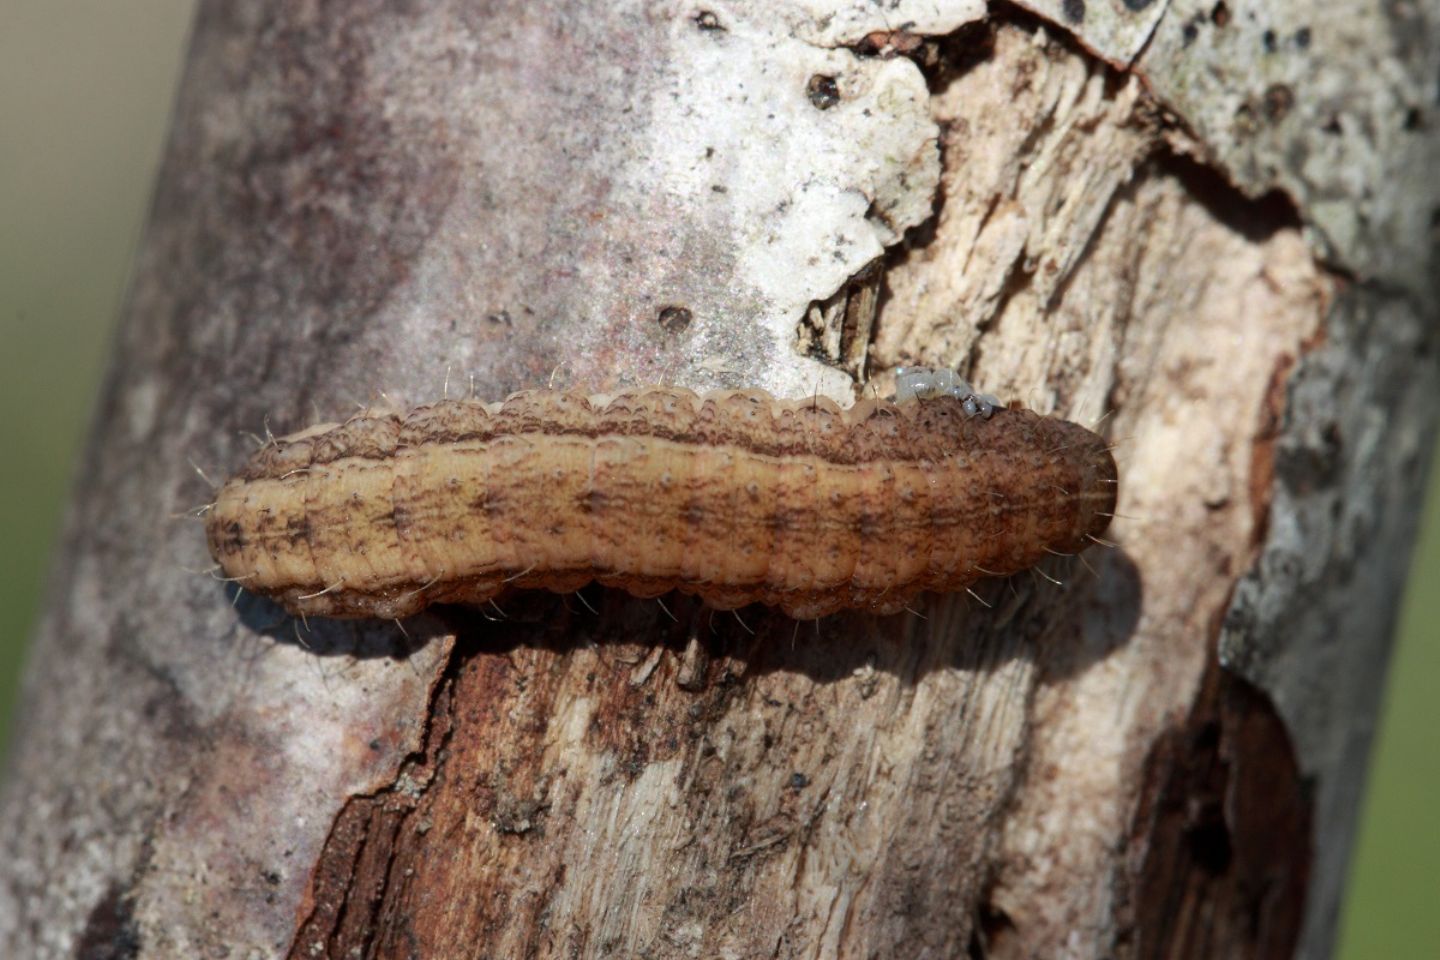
[1074,10]
[502,318]
[707,21]
[1332,126]
[1269,40]
[798,781]
[1302,38]
[110,931]
[1136,6]
[823,92]
[675,319]
[693,514]
[1189,33]
[1279,98]
[1314,465]
[1414,120]
[1220,14]
[592,501]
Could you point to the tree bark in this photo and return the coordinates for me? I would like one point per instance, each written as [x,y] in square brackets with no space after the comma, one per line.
[1209,231]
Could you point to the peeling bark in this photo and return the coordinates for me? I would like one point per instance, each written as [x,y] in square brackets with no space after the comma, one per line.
[1158,753]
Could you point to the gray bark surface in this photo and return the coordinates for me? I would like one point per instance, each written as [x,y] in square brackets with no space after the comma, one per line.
[1209,232]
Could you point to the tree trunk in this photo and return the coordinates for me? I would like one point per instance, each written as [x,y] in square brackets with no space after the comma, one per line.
[1208,231]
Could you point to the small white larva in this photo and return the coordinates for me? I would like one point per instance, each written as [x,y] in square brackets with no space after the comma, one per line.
[736,497]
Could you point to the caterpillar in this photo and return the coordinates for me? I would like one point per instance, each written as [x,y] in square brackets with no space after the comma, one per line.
[735,497]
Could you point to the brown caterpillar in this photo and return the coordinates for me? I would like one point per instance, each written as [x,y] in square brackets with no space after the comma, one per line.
[736,497]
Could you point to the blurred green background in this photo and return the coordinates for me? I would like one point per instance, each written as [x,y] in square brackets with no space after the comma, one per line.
[85,90]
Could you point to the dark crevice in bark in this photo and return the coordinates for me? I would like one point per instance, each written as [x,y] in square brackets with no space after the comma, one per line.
[1257,219]
[1221,840]
[941,60]
[1260,218]
[356,866]
[111,932]
[991,930]
[838,330]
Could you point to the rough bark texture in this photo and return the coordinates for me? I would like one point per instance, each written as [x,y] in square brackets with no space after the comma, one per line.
[1213,224]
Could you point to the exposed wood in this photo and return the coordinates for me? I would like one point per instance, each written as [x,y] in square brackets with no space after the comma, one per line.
[1155,753]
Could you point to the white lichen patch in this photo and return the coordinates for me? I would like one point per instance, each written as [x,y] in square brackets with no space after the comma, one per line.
[810,158]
